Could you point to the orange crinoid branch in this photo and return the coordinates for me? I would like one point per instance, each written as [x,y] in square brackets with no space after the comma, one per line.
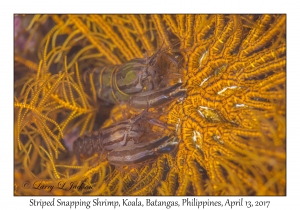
[231,124]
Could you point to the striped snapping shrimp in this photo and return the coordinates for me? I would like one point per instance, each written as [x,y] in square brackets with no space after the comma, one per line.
[119,83]
[122,143]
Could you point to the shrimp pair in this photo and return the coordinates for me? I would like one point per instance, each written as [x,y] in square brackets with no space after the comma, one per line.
[137,83]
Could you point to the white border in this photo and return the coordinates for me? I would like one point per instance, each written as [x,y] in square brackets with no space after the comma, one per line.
[8,8]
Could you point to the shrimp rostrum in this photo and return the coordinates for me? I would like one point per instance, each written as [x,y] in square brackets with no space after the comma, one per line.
[118,83]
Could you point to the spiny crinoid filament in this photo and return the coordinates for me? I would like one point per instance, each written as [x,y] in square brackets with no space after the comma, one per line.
[231,124]
[235,109]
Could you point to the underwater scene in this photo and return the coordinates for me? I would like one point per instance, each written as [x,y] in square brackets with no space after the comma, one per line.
[150,104]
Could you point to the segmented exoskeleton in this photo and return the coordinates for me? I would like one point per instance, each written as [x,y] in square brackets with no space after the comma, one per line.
[119,83]
[122,142]
[109,138]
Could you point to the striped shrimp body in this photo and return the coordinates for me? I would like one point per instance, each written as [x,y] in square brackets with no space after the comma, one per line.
[115,84]
[108,138]
[121,142]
